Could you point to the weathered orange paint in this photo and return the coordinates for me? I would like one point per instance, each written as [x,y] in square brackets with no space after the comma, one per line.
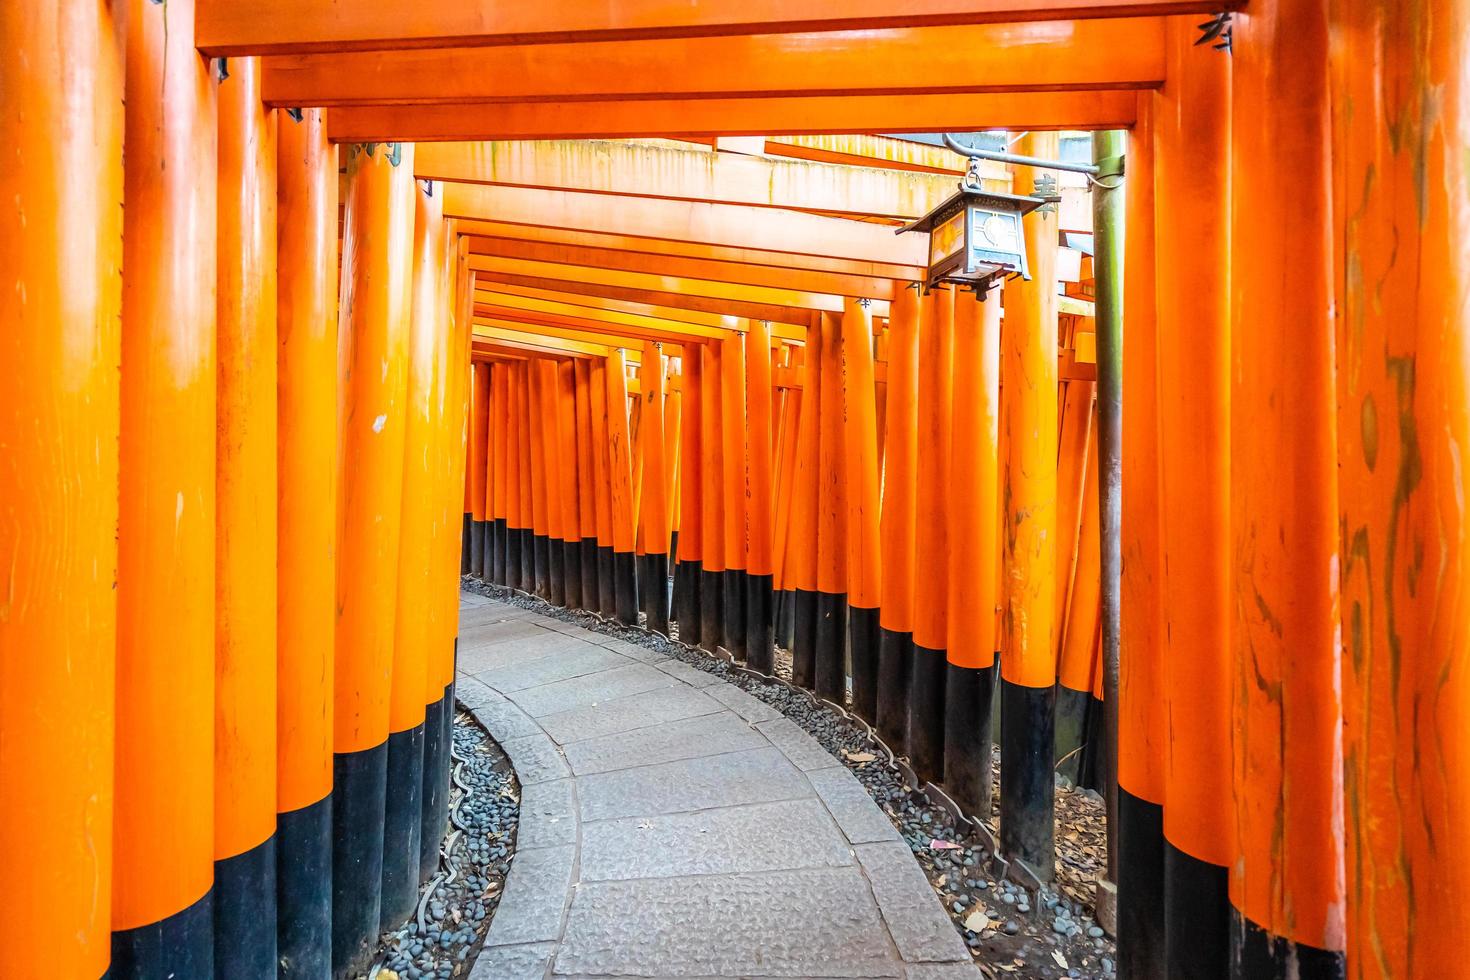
[786,441]
[601,472]
[974,513]
[1287,871]
[654,505]
[758,481]
[1401,96]
[735,451]
[479,438]
[586,496]
[162,828]
[898,523]
[61,121]
[712,457]
[619,454]
[245,469]
[673,424]
[691,462]
[566,428]
[306,419]
[1077,658]
[1029,417]
[450,432]
[375,310]
[932,468]
[860,455]
[1075,443]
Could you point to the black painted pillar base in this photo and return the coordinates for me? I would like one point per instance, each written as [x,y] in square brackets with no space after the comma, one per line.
[653,582]
[1141,950]
[733,612]
[403,818]
[832,647]
[862,628]
[359,798]
[1197,916]
[179,945]
[541,548]
[968,695]
[434,796]
[303,920]
[1027,790]
[785,618]
[607,591]
[686,601]
[572,573]
[245,913]
[464,545]
[1071,730]
[477,549]
[625,587]
[497,551]
[711,604]
[1258,955]
[804,641]
[760,623]
[895,653]
[928,672]
[591,601]
[557,574]
[522,552]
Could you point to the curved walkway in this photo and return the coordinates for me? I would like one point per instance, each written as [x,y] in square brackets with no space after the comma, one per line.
[673,826]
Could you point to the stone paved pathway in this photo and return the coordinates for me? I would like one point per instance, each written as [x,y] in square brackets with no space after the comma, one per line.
[674,826]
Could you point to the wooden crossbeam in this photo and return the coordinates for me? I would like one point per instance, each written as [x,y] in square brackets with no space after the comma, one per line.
[1029,57]
[710,325]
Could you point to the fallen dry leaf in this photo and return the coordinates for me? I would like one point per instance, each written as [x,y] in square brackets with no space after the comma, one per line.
[1061,960]
[859,756]
[977,920]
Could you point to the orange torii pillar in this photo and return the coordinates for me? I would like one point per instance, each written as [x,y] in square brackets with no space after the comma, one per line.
[526,470]
[897,522]
[1029,413]
[735,459]
[760,623]
[602,487]
[245,531]
[571,511]
[586,487]
[306,514]
[1192,178]
[862,476]
[495,481]
[61,247]
[1142,720]
[375,310]
[557,464]
[712,456]
[535,421]
[673,417]
[691,503]
[1291,541]
[163,824]
[803,527]
[974,520]
[783,549]
[1404,395]
[928,667]
[620,465]
[412,629]
[653,571]
[478,467]
[832,566]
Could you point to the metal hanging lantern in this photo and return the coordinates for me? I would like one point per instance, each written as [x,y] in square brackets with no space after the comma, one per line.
[975,237]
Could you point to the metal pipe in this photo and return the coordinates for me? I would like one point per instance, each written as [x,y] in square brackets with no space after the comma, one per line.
[1016,158]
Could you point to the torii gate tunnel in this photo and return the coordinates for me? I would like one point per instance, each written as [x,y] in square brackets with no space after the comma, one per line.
[615,314]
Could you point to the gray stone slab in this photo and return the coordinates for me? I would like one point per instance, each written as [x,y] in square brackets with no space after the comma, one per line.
[522,962]
[472,693]
[760,837]
[626,714]
[535,758]
[809,923]
[747,707]
[915,919]
[692,676]
[548,814]
[536,892]
[805,752]
[476,659]
[688,738]
[580,692]
[571,662]
[498,631]
[851,806]
[633,651]
[505,721]
[943,971]
[757,776]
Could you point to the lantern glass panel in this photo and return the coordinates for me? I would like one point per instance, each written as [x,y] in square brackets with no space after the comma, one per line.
[947,239]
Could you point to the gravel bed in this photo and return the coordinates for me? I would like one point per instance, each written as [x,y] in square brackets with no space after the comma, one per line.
[1010,931]
[455,907]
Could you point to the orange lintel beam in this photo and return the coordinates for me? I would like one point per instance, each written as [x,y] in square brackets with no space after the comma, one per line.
[609,339]
[1027,57]
[686,221]
[496,232]
[673,317]
[759,311]
[239,27]
[590,331]
[672,171]
[502,269]
[795,115]
[489,336]
[833,284]
[528,310]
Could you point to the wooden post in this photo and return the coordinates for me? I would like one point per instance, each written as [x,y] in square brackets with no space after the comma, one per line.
[734,464]
[691,497]
[712,453]
[832,531]
[566,419]
[61,246]
[602,484]
[478,467]
[375,310]
[245,531]
[620,462]
[653,573]
[163,827]
[541,522]
[760,637]
[862,474]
